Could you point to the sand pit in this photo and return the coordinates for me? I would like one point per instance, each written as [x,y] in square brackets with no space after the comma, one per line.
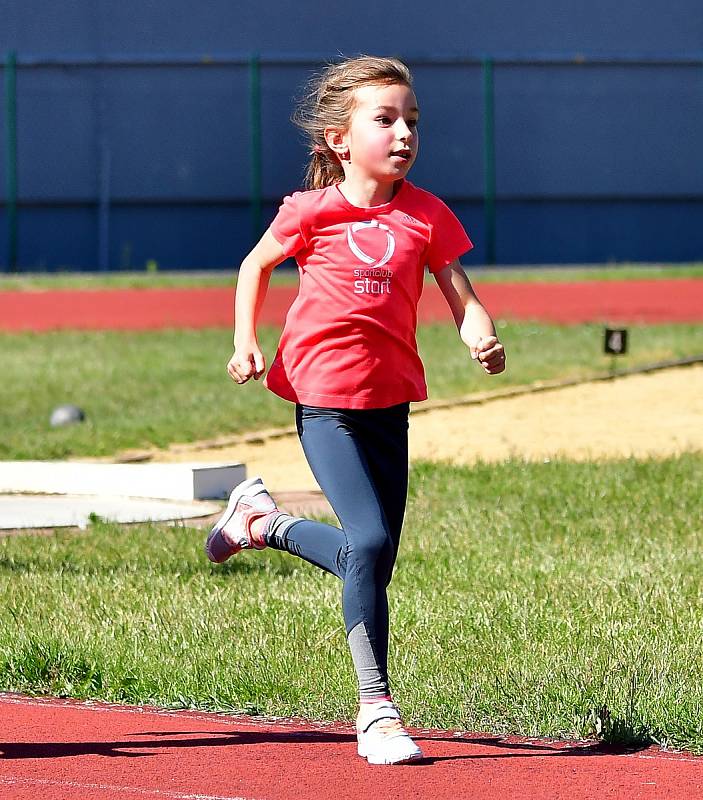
[655,414]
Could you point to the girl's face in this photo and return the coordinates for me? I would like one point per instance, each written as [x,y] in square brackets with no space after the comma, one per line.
[382,137]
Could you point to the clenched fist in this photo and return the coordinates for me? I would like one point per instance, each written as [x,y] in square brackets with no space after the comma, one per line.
[489,352]
[247,362]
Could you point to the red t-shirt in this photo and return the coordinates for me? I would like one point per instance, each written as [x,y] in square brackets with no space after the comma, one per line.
[349,337]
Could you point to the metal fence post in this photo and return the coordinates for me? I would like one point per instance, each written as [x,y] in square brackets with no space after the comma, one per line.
[489,160]
[104,167]
[255,144]
[11,157]
[104,172]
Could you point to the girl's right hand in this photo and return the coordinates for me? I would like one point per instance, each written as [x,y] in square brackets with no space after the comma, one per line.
[247,362]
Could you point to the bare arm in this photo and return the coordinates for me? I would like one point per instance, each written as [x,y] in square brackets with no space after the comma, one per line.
[254,275]
[475,326]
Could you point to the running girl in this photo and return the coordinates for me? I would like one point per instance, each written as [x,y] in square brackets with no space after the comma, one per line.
[362,235]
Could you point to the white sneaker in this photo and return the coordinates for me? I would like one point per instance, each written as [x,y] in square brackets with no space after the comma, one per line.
[381,736]
[232,531]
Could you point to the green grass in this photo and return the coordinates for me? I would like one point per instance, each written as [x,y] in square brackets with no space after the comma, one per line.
[541,599]
[40,281]
[150,389]
[138,389]
[594,272]
[547,352]
[34,281]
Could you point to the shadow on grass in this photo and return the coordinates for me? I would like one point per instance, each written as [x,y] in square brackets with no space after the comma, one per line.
[183,569]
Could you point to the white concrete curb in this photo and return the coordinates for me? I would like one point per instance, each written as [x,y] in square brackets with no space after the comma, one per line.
[163,481]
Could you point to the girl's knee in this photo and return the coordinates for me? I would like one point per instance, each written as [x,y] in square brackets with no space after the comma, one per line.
[375,551]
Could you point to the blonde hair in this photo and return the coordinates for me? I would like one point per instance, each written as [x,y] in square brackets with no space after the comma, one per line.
[329,102]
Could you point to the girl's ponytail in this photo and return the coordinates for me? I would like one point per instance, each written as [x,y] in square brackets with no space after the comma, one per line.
[323,168]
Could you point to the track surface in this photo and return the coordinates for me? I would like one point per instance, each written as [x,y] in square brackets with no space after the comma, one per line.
[65,750]
[147,309]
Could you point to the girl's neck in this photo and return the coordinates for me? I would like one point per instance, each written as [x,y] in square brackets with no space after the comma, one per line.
[366,194]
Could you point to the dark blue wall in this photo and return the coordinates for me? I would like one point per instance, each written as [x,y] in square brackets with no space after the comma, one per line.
[595,161]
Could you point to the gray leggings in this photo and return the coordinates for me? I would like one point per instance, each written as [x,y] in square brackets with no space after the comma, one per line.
[360,460]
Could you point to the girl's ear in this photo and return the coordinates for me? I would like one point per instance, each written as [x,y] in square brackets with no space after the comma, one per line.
[336,141]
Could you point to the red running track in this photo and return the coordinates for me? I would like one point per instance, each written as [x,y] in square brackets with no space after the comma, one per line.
[65,750]
[646,301]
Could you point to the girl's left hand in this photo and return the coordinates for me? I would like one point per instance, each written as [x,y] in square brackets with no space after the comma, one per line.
[489,352]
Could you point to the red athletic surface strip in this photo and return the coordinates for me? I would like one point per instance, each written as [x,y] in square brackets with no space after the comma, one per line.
[148,309]
[63,749]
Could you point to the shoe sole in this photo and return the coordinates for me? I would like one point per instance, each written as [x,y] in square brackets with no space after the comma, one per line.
[386,762]
[370,758]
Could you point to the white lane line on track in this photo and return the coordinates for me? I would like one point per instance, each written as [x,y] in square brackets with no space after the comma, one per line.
[668,757]
[107,787]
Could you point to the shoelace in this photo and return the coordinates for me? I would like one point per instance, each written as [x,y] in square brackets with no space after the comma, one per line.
[390,727]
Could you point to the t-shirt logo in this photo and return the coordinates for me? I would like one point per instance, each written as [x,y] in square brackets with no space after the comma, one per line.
[371,235]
